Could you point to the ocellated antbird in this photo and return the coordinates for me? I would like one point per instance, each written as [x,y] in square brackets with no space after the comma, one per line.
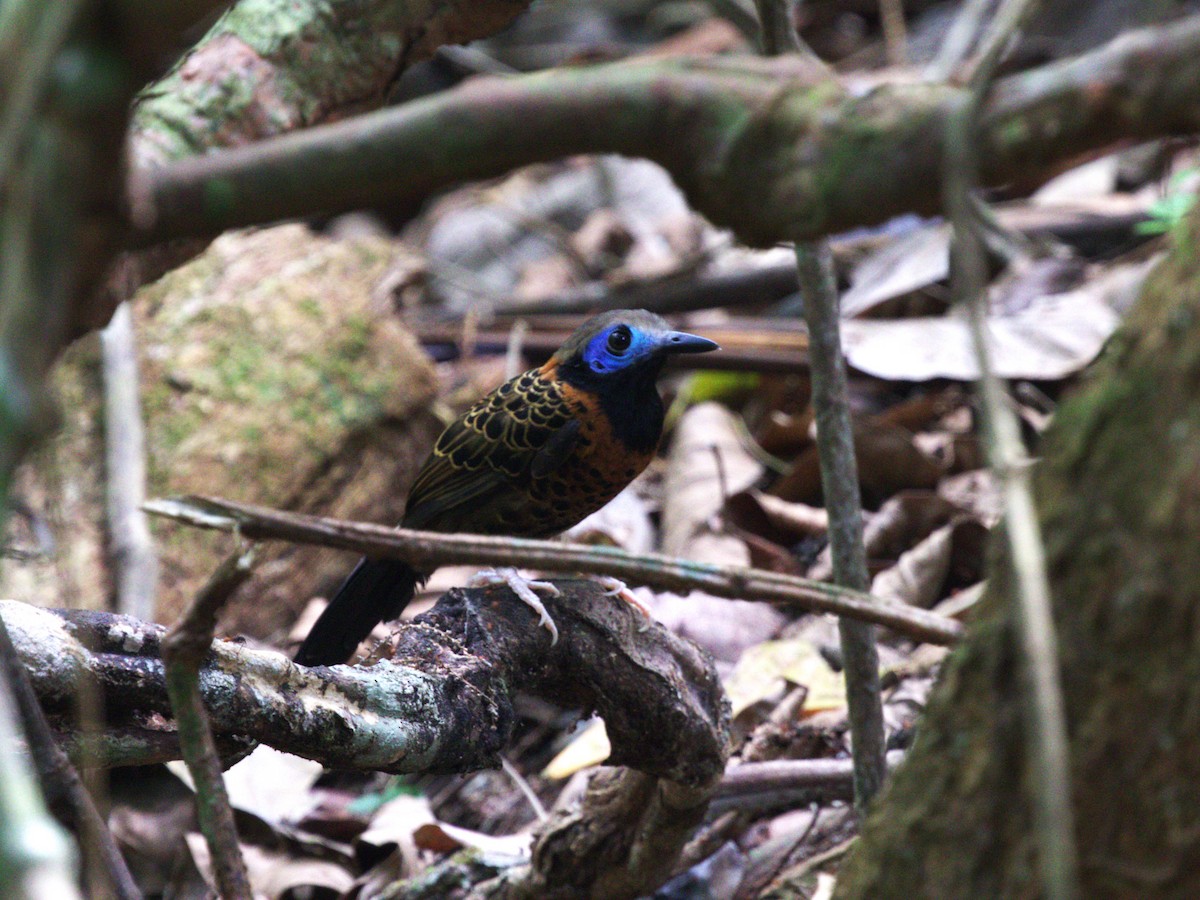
[531,459]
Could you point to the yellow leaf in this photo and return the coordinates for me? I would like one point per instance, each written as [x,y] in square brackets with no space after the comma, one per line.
[765,671]
[589,748]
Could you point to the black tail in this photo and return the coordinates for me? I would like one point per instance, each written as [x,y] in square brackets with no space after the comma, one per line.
[377,590]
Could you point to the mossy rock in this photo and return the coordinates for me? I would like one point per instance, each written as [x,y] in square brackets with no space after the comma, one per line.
[269,375]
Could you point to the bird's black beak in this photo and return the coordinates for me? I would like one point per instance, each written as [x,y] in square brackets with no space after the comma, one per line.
[682,342]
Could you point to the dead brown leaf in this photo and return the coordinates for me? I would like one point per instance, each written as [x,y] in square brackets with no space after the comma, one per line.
[1053,336]
[975,492]
[888,461]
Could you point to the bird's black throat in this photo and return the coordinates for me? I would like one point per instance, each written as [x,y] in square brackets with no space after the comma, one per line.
[628,397]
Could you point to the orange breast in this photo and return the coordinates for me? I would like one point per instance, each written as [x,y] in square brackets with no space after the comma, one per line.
[599,468]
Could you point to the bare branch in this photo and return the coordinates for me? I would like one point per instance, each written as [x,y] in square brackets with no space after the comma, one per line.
[134,557]
[427,548]
[1046,729]
[830,779]
[266,68]
[183,651]
[843,500]
[758,146]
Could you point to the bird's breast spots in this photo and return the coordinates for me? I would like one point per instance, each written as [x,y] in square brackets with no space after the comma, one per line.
[602,464]
[583,405]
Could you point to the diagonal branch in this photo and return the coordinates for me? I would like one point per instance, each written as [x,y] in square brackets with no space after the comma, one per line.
[1046,730]
[265,68]
[426,548]
[183,650]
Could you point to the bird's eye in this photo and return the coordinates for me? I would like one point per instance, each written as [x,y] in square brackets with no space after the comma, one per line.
[619,340]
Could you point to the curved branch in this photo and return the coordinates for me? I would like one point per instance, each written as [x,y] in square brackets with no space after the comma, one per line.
[769,148]
[271,66]
[443,703]
[619,842]
[265,68]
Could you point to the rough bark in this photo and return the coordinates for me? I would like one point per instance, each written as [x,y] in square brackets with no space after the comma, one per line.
[272,66]
[235,352]
[442,703]
[268,67]
[771,149]
[1118,494]
[619,842]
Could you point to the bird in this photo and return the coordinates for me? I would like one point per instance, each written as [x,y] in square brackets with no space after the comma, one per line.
[531,459]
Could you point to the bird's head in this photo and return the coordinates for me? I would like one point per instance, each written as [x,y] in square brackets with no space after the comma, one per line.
[622,346]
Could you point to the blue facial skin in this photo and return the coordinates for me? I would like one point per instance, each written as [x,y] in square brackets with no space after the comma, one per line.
[601,355]
[600,358]
[618,368]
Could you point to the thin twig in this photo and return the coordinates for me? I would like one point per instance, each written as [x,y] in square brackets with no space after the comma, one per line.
[839,471]
[794,844]
[777,30]
[895,31]
[1045,731]
[431,549]
[777,27]
[64,790]
[183,651]
[803,870]
[711,837]
[773,776]
[740,13]
[134,558]
[843,500]
[525,788]
[963,35]
[997,40]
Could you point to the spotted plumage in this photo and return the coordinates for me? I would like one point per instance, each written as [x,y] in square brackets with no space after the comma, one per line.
[531,459]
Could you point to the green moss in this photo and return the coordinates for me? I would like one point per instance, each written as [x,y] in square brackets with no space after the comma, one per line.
[253,379]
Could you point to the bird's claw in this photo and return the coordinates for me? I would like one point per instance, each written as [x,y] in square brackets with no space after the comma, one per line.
[612,586]
[525,588]
[615,587]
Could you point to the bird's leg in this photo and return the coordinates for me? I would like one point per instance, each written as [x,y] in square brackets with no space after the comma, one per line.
[524,588]
[615,587]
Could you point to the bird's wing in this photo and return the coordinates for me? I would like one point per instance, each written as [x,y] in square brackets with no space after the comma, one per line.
[526,426]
